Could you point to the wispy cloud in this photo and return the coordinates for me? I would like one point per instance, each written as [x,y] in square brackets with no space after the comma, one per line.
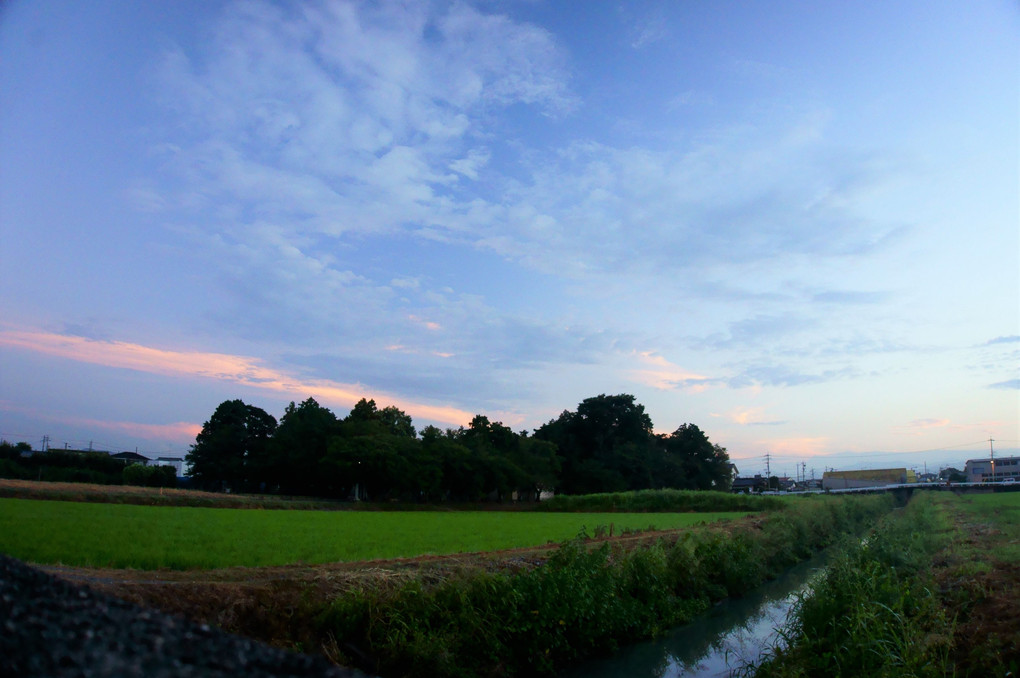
[796,447]
[240,370]
[428,324]
[690,98]
[649,30]
[741,196]
[925,424]
[371,120]
[181,431]
[752,416]
[759,329]
[774,374]
[661,374]
[1008,339]
[343,117]
[849,297]
[1009,385]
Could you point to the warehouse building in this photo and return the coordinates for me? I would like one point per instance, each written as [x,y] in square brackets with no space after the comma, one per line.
[992,470]
[847,480]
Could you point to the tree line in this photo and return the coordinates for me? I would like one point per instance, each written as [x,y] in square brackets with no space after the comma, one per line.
[78,466]
[375,454]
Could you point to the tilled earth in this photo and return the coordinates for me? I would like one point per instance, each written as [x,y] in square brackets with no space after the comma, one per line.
[52,627]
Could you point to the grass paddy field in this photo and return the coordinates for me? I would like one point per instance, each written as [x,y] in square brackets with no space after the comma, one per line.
[157,537]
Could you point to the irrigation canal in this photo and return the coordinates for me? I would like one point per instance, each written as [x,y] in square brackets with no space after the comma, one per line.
[733,634]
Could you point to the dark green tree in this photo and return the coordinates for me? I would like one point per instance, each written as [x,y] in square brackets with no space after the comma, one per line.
[235,434]
[298,448]
[605,446]
[540,464]
[370,467]
[397,422]
[377,456]
[690,461]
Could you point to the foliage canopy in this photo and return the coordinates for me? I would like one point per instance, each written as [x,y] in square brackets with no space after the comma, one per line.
[607,445]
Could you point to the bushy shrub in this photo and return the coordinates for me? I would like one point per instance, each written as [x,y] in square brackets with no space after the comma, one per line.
[141,475]
[10,468]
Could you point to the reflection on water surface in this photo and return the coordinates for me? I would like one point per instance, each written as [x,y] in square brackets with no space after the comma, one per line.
[731,635]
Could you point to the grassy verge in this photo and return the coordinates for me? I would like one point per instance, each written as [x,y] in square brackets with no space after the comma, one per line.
[582,601]
[979,584]
[149,537]
[154,496]
[933,591]
[654,501]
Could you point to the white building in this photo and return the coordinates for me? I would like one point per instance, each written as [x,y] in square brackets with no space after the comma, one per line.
[992,470]
[176,462]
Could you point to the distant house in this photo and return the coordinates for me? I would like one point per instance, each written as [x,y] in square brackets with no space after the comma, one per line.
[131,458]
[786,483]
[879,477]
[176,462]
[992,470]
[747,485]
[953,475]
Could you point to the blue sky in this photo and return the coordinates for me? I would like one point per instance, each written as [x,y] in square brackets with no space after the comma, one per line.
[796,225]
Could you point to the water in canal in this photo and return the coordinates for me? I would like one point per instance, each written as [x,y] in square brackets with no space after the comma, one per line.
[728,637]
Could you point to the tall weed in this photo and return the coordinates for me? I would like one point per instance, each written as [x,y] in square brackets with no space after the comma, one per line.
[875,613]
[661,501]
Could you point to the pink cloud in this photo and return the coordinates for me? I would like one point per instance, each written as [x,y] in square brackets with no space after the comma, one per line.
[242,370]
[663,375]
[183,431]
[928,423]
[796,447]
[430,325]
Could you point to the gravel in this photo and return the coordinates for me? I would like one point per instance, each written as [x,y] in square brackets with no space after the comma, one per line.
[51,627]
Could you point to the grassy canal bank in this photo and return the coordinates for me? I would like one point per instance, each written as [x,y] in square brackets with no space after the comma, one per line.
[933,591]
[519,612]
[582,601]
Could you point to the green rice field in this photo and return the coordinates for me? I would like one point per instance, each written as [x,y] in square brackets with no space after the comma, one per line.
[155,537]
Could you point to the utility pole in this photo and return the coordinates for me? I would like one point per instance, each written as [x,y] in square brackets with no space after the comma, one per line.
[991,451]
[45,443]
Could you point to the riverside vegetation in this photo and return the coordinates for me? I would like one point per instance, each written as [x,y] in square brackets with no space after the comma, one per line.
[933,591]
[582,601]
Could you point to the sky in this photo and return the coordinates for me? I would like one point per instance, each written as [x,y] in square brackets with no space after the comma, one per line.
[795,225]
